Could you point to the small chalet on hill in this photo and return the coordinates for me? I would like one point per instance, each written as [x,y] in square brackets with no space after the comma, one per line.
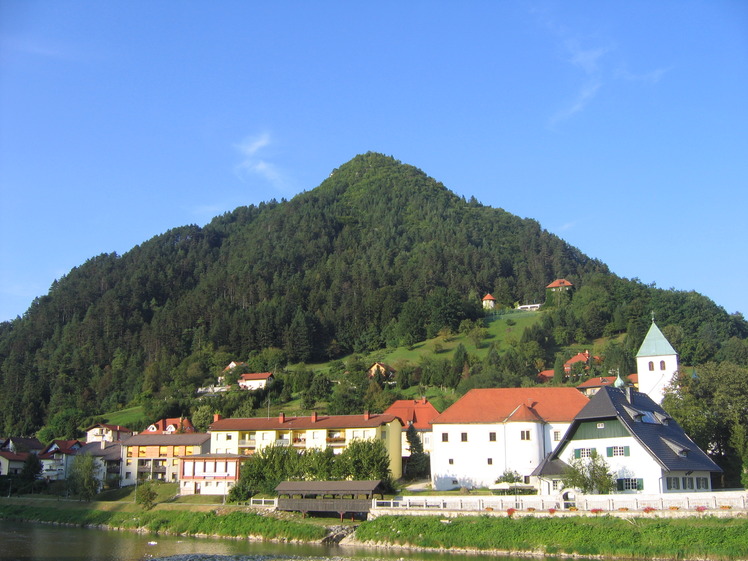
[644,447]
[559,285]
[255,380]
[385,371]
[489,302]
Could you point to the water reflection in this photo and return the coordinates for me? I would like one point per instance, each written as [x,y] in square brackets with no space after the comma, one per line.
[40,542]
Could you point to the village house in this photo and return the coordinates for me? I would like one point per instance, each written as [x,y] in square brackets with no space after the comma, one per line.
[170,426]
[209,474]
[248,435]
[20,444]
[559,285]
[646,450]
[57,458]
[255,380]
[11,463]
[586,359]
[107,433]
[488,432]
[156,455]
[108,459]
[489,302]
[417,413]
[14,451]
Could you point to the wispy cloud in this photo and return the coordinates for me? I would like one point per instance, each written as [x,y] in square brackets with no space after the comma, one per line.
[253,163]
[652,77]
[590,62]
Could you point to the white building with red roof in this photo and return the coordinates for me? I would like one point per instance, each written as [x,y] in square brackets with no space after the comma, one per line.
[489,302]
[490,431]
[255,380]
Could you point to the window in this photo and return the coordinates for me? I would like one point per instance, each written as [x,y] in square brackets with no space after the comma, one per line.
[601,425]
[463,437]
[451,462]
[127,475]
[492,437]
[229,436]
[383,434]
[612,451]
[445,437]
[555,484]
[584,452]
[630,484]
[651,365]
[702,483]
[672,483]
[524,435]
[687,483]
[162,450]
[662,365]
[556,435]
[526,479]
[490,461]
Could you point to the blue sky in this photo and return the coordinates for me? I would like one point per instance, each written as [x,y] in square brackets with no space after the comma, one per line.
[620,126]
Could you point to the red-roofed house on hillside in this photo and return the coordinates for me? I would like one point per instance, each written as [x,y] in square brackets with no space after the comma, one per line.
[489,302]
[416,412]
[559,285]
[585,357]
[255,380]
[489,431]
[177,425]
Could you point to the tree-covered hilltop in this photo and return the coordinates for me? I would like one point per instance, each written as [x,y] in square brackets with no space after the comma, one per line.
[378,255]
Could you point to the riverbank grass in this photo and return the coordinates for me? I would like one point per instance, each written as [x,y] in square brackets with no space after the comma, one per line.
[638,538]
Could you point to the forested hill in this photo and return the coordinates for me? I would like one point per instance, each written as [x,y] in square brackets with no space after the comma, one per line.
[379,254]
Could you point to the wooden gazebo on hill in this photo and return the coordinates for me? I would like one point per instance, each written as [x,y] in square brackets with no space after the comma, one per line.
[352,497]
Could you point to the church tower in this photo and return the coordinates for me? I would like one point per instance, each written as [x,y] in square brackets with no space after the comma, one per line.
[656,364]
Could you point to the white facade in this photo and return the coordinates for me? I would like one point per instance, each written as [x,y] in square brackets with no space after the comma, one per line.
[631,465]
[476,455]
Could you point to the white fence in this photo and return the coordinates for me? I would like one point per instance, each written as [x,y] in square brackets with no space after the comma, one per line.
[725,500]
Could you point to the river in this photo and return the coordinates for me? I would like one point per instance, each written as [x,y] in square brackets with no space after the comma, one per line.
[22,541]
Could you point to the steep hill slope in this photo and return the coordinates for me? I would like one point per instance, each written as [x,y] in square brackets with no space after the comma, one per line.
[378,254]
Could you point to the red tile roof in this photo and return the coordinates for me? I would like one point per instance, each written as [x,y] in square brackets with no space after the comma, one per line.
[256,376]
[488,297]
[499,405]
[418,412]
[558,283]
[282,422]
[160,426]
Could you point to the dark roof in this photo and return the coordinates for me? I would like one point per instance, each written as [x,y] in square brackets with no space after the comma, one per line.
[176,439]
[649,424]
[112,451]
[22,444]
[329,487]
[550,467]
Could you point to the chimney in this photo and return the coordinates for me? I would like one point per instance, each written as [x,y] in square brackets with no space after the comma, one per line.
[628,394]
[314,416]
[366,416]
[217,417]
[282,417]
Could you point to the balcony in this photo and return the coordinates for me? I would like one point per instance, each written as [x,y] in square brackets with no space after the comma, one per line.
[282,442]
[252,443]
[336,440]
